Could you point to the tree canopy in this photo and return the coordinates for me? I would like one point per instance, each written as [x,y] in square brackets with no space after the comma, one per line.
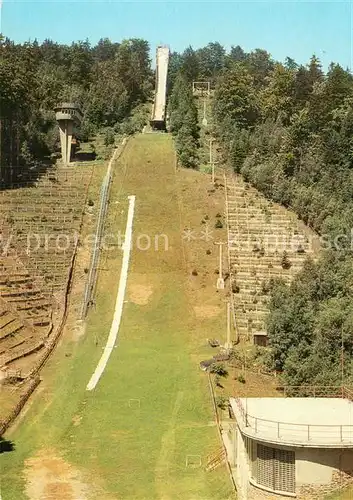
[108,81]
[288,129]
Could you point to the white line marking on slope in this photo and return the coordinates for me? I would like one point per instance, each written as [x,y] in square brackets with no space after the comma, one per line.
[114,329]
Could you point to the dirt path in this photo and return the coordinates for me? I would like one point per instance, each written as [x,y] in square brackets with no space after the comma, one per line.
[49,477]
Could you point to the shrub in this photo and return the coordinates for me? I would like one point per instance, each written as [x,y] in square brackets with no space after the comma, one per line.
[90,203]
[285,262]
[219,369]
[194,272]
[218,224]
[241,379]
[265,287]
[208,252]
[109,137]
[87,131]
[222,402]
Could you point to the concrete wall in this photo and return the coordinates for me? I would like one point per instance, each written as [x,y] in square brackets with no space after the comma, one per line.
[316,466]
[242,467]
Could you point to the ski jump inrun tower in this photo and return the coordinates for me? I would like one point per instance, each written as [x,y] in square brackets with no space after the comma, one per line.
[158,119]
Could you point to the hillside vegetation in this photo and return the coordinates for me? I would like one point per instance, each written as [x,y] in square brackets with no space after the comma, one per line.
[288,129]
[110,81]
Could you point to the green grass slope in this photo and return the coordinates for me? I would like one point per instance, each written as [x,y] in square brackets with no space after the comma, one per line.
[131,436]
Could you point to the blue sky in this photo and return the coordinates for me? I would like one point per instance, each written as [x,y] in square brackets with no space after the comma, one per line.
[296,29]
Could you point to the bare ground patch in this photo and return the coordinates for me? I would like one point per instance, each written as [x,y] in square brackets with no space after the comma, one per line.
[206,312]
[78,330]
[76,420]
[140,293]
[49,477]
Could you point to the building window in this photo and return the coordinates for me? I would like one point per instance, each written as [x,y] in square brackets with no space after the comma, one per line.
[274,469]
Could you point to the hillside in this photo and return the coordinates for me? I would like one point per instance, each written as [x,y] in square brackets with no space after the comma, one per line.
[287,129]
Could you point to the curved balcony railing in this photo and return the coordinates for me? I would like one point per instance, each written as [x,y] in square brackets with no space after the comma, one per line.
[296,433]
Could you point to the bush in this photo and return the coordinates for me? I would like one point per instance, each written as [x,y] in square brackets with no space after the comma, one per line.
[109,137]
[87,131]
[90,203]
[222,402]
[194,272]
[219,369]
[241,379]
[218,224]
[265,287]
[285,262]
[208,252]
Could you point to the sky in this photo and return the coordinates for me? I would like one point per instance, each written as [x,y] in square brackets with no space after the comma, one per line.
[283,28]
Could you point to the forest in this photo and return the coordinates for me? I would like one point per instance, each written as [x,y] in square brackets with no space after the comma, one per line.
[288,129]
[110,81]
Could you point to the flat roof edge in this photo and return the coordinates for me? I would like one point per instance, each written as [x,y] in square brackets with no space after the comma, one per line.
[294,444]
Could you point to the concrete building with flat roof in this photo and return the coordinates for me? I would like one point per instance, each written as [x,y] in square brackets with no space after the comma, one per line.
[290,447]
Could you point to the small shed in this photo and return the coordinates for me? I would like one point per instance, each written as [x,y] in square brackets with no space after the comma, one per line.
[260,338]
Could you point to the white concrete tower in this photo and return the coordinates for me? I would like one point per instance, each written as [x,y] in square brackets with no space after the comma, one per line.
[67,114]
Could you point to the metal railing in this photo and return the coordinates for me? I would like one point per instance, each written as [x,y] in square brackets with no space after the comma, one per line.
[92,273]
[296,432]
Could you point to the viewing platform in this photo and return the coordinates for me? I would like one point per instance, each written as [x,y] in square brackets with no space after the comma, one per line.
[68,111]
[68,114]
[323,422]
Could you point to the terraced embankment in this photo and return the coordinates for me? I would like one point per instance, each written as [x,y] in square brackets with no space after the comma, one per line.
[40,220]
[265,241]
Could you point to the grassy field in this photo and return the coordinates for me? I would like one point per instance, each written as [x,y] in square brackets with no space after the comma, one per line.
[150,414]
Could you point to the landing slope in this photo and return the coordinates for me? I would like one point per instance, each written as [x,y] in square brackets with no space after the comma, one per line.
[130,437]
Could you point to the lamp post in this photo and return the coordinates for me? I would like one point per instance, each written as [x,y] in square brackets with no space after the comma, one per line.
[220,280]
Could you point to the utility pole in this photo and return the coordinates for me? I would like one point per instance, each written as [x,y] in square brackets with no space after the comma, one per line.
[220,280]
[342,359]
[204,120]
[211,160]
[228,343]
